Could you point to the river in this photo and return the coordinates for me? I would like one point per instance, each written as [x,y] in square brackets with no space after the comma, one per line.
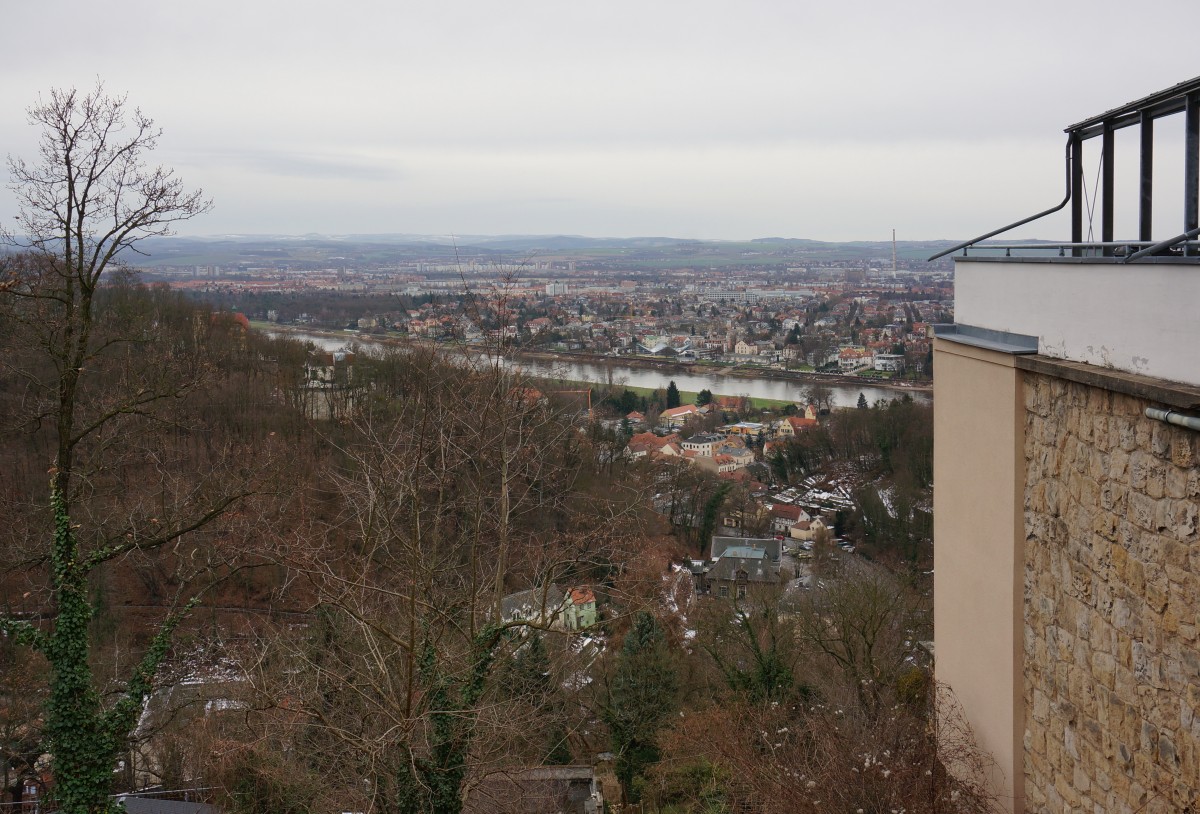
[844,395]
[720,384]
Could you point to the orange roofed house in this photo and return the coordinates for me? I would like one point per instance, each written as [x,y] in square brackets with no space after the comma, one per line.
[649,445]
[678,416]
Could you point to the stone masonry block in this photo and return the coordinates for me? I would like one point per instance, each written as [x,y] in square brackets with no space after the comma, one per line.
[1176,482]
[1112,604]
[1183,449]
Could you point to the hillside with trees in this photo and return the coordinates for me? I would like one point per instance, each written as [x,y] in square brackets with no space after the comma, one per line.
[888,450]
[404,580]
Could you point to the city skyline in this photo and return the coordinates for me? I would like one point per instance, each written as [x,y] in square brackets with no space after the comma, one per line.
[701,121]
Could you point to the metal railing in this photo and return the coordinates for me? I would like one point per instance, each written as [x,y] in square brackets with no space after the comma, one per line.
[1124,250]
[1182,98]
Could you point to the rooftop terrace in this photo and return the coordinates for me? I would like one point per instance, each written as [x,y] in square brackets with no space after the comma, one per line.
[1124,305]
[1100,203]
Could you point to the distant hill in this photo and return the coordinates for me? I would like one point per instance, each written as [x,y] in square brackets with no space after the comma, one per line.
[661,252]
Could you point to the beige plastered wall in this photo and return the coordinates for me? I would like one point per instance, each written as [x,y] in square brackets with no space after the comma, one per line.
[979,469]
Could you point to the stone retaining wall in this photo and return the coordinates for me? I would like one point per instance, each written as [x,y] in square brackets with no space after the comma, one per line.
[1112,604]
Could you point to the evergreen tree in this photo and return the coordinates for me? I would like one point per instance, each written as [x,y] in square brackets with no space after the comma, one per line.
[862,402]
[704,397]
[756,653]
[672,395]
[641,697]
[627,401]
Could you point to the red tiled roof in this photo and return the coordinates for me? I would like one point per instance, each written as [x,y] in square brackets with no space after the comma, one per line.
[785,511]
[675,412]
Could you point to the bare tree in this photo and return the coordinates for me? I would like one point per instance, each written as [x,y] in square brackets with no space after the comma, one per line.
[820,395]
[457,487]
[100,373]
[816,704]
[865,623]
[815,757]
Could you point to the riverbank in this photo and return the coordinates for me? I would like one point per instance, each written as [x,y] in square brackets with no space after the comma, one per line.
[738,371]
[630,371]
[685,396]
[665,366]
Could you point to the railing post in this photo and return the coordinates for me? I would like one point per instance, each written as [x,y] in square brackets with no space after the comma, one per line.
[1106,212]
[1146,185]
[1076,192]
[1191,166]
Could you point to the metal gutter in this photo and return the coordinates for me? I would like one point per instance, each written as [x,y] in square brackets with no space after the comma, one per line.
[1169,416]
[1023,221]
[1158,104]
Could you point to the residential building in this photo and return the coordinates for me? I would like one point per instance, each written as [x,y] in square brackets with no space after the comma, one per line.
[772,547]
[889,362]
[735,450]
[726,463]
[733,404]
[750,517]
[792,425]
[1067,500]
[854,358]
[647,444]
[579,609]
[738,573]
[551,606]
[807,530]
[540,605]
[783,517]
[678,416]
[703,443]
[744,428]
[329,385]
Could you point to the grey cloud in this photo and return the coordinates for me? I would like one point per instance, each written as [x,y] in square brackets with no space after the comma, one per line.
[301,165]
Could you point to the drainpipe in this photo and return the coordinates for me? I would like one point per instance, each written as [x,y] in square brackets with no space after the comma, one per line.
[1171,417]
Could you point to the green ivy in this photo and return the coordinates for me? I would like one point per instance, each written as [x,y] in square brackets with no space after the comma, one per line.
[432,783]
[85,739]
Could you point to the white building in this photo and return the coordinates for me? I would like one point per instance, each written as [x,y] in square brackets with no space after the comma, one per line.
[889,362]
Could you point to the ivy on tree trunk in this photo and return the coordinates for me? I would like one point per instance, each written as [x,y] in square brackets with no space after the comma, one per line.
[86,739]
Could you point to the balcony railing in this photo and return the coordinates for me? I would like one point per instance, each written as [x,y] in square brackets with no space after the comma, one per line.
[1182,98]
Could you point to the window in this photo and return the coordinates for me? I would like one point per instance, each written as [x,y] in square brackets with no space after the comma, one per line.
[741,593]
[723,591]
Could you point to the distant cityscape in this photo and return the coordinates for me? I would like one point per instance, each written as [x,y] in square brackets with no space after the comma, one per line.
[850,308]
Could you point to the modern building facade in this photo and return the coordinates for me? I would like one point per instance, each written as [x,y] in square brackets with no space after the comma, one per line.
[1067,486]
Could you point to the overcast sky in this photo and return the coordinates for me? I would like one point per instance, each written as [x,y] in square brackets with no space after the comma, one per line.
[827,120]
